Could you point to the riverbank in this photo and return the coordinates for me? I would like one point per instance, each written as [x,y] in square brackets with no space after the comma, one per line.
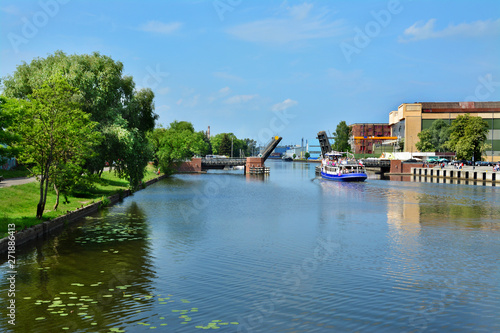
[44,229]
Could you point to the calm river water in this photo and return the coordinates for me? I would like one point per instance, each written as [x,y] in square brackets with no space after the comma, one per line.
[286,253]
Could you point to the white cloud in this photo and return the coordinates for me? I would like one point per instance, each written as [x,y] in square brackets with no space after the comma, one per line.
[287,103]
[300,12]
[164,91]
[160,27]
[224,91]
[227,76]
[427,30]
[239,99]
[297,24]
[190,102]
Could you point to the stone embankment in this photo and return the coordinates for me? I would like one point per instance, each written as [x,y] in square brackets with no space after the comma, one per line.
[468,174]
[44,229]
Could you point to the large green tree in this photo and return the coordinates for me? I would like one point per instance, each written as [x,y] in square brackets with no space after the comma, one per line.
[435,137]
[341,137]
[108,96]
[55,134]
[468,137]
[175,144]
[425,141]
[8,136]
[241,147]
[225,145]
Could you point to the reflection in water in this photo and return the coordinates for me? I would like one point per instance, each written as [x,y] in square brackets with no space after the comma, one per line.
[84,277]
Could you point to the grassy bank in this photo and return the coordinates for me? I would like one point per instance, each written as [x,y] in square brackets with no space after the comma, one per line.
[18,203]
[20,171]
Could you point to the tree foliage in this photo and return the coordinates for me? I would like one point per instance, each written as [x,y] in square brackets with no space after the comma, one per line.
[341,136]
[241,147]
[108,96]
[175,144]
[225,145]
[425,142]
[55,134]
[8,135]
[434,138]
[468,137]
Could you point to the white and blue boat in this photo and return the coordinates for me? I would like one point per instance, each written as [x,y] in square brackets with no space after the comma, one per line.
[335,167]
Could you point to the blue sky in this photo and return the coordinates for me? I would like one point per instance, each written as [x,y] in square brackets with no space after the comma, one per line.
[261,68]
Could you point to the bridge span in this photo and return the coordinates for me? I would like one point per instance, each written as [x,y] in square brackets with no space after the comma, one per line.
[253,164]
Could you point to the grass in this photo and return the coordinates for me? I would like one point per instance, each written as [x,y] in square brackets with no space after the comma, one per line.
[20,171]
[18,203]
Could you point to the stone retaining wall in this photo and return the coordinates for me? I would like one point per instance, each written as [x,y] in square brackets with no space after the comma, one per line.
[43,229]
[474,175]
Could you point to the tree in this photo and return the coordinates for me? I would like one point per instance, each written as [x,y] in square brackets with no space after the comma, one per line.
[225,145]
[54,133]
[307,155]
[341,136]
[8,137]
[251,145]
[108,96]
[434,138]
[468,137]
[176,144]
[425,142]
[294,156]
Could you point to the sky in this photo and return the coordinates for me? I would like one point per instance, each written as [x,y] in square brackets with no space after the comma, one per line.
[265,68]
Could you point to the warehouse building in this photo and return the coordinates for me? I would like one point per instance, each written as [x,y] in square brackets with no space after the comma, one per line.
[411,118]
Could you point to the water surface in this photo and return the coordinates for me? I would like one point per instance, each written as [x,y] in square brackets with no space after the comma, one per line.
[284,253]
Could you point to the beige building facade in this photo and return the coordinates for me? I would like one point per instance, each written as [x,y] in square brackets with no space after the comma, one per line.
[411,118]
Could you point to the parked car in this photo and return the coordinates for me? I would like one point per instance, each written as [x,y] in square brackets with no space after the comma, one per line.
[445,160]
[484,163]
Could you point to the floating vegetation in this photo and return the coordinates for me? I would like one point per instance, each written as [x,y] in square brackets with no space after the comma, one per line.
[109,232]
[76,306]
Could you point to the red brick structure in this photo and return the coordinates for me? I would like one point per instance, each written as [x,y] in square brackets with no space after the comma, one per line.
[255,162]
[191,166]
[398,167]
[367,130]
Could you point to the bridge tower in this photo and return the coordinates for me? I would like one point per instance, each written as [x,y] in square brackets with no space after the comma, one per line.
[324,143]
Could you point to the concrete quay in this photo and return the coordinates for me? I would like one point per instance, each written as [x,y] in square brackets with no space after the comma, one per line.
[480,174]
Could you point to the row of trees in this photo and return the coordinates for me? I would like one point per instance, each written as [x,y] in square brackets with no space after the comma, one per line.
[66,117]
[179,142]
[466,135]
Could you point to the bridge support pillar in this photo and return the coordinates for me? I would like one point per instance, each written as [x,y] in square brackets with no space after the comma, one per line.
[253,162]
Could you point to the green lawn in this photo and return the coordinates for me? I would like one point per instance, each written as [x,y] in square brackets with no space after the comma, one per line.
[20,171]
[18,203]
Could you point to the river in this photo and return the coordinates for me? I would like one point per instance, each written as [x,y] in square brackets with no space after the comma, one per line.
[283,253]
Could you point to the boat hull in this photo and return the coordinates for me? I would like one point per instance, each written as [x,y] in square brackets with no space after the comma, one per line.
[349,177]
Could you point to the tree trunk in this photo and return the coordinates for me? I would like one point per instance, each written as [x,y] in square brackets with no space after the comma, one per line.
[57,197]
[41,204]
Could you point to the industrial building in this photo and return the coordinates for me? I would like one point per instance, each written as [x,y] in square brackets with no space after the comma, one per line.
[369,132]
[411,118]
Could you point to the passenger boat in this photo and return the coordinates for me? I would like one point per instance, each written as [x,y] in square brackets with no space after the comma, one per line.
[335,167]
